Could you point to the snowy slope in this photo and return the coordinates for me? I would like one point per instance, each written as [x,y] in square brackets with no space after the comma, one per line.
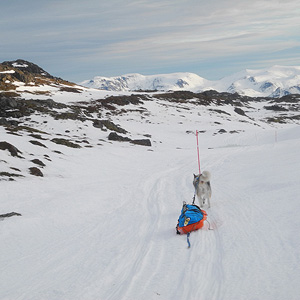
[101,223]
[276,81]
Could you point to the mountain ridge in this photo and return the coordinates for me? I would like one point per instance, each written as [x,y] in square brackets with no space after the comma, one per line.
[20,77]
[273,82]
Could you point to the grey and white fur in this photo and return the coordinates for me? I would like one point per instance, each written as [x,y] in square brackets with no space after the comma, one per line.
[202,187]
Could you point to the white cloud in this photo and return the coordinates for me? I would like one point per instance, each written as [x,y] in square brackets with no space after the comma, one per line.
[158,32]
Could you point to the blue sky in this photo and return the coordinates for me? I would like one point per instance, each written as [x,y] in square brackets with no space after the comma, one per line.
[77,40]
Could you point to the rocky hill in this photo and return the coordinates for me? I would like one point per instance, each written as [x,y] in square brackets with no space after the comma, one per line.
[20,76]
[26,67]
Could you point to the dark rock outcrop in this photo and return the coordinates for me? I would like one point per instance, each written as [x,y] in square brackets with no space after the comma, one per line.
[38,162]
[106,124]
[14,151]
[64,142]
[9,215]
[36,172]
[275,108]
[37,143]
[142,142]
[239,111]
[113,136]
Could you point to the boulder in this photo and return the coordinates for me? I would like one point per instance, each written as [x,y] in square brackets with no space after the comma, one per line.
[36,172]
[38,162]
[113,136]
[12,149]
[142,142]
[61,141]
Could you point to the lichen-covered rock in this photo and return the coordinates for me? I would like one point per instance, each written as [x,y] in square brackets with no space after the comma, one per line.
[106,124]
[239,111]
[38,162]
[113,136]
[37,143]
[14,151]
[36,172]
[10,175]
[61,141]
[142,142]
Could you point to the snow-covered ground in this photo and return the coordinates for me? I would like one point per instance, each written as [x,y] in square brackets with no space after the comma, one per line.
[101,224]
[54,92]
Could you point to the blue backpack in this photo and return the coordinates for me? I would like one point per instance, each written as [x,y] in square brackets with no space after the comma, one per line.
[191,218]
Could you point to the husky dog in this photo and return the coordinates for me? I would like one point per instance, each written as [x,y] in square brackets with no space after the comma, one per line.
[202,186]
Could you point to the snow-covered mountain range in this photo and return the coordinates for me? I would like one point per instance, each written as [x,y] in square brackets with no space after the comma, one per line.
[276,81]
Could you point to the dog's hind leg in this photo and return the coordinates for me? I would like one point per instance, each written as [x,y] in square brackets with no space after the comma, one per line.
[208,201]
[202,201]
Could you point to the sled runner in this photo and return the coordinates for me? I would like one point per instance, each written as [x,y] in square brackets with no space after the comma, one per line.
[190,219]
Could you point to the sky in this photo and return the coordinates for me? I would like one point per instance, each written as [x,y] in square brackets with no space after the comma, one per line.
[77,40]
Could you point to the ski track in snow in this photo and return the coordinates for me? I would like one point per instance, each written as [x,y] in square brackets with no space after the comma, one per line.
[161,249]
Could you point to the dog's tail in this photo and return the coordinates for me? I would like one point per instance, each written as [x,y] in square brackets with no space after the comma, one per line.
[205,176]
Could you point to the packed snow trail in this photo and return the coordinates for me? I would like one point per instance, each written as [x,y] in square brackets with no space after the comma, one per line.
[105,229]
[170,266]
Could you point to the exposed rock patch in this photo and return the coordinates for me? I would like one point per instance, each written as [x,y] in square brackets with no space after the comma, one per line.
[36,172]
[239,111]
[275,108]
[10,176]
[38,162]
[113,136]
[14,151]
[106,124]
[8,215]
[37,143]
[142,142]
[65,142]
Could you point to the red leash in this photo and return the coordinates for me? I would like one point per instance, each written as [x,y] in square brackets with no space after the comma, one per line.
[198,152]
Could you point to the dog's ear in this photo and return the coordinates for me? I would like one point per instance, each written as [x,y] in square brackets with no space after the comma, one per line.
[195,175]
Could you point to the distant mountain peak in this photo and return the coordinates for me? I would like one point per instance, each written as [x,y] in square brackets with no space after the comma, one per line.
[137,82]
[275,81]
